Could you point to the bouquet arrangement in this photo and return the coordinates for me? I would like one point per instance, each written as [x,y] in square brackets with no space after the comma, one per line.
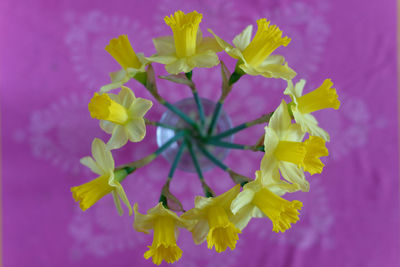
[292,143]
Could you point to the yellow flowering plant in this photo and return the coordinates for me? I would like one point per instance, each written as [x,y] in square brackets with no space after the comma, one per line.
[292,142]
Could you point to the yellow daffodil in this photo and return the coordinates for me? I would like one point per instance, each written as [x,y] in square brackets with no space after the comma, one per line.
[121,116]
[164,224]
[214,221]
[121,50]
[255,55]
[109,180]
[257,200]
[285,151]
[186,49]
[323,97]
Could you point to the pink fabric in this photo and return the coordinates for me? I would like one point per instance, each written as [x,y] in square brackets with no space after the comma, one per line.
[52,60]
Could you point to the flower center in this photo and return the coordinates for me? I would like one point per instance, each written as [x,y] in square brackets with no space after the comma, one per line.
[290,151]
[223,233]
[315,147]
[103,108]
[89,193]
[267,39]
[164,243]
[321,98]
[280,211]
[121,50]
[184,27]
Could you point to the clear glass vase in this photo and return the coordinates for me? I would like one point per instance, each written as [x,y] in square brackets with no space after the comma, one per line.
[189,107]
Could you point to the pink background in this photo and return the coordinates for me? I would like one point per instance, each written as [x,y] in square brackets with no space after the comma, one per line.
[52,60]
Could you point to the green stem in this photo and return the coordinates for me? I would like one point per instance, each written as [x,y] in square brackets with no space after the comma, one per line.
[176,160]
[194,158]
[230,131]
[199,107]
[159,124]
[263,119]
[212,158]
[227,144]
[180,113]
[176,137]
[215,116]
[233,145]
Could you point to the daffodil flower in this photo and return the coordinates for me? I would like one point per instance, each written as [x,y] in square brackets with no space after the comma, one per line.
[285,151]
[214,221]
[164,224]
[109,180]
[255,55]
[257,200]
[303,105]
[121,50]
[186,49]
[121,116]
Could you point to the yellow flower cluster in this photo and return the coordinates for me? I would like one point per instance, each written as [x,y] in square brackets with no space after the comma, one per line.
[291,149]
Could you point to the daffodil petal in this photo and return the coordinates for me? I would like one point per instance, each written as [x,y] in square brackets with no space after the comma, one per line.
[92,165]
[310,124]
[242,40]
[163,59]
[107,126]
[200,231]
[273,59]
[280,120]
[117,203]
[277,71]
[243,217]
[139,107]
[136,130]
[164,45]
[294,174]
[207,59]
[295,133]
[126,96]
[177,66]
[209,43]
[121,193]
[102,155]
[118,138]
[241,200]
[142,223]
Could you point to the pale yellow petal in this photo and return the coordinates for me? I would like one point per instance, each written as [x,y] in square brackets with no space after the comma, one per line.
[107,126]
[243,216]
[224,45]
[122,195]
[242,40]
[143,222]
[164,45]
[294,174]
[209,43]
[118,138]
[310,124]
[179,65]
[200,231]
[280,121]
[277,71]
[139,107]
[295,133]
[92,165]
[126,96]
[117,203]
[136,130]
[242,199]
[102,155]
[207,59]
[163,59]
